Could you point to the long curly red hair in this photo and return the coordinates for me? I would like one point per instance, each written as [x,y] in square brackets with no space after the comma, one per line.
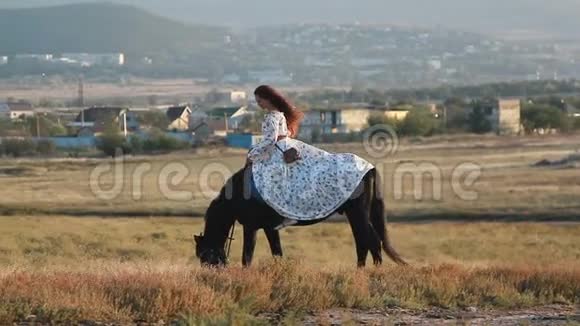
[292,114]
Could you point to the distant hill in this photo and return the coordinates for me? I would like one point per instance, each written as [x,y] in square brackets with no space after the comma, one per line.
[498,17]
[97,28]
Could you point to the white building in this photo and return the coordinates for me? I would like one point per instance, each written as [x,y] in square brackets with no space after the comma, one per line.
[435,64]
[38,57]
[179,117]
[91,59]
[238,117]
[16,110]
[238,96]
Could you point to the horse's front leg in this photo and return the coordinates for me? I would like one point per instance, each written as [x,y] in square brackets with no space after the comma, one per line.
[249,245]
[274,241]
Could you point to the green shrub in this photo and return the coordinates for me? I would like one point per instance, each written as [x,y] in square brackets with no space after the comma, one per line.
[57,130]
[137,144]
[418,123]
[112,144]
[544,116]
[163,143]
[380,119]
[576,124]
[478,122]
[45,147]
[18,147]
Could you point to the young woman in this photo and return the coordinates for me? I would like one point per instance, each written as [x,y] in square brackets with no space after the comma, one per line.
[309,188]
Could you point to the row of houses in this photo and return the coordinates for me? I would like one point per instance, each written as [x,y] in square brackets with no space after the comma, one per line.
[217,121]
[224,121]
[504,116]
[344,119]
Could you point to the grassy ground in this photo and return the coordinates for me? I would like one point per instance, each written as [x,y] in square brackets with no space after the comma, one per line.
[126,293]
[74,269]
[507,187]
[68,255]
[51,241]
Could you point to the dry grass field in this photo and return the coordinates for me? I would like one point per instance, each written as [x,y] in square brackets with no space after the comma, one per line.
[508,184]
[57,89]
[62,90]
[68,256]
[64,269]
[54,241]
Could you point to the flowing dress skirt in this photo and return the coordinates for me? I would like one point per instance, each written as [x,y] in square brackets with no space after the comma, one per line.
[311,188]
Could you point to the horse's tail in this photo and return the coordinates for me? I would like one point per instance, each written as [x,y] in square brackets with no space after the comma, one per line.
[378,221]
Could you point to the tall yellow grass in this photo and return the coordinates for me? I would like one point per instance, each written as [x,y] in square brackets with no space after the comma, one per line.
[132,292]
[62,269]
[59,269]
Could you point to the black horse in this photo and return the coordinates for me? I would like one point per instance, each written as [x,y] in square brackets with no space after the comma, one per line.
[364,210]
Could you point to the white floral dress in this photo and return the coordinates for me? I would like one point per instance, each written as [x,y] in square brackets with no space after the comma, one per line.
[311,188]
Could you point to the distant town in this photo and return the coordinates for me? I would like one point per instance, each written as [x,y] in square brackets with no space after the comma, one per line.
[328,55]
[232,118]
[159,85]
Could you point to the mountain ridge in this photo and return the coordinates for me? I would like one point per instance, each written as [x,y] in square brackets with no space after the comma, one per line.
[494,17]
[96,27]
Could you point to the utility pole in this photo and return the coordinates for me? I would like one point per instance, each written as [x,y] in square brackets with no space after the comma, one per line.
[37,126]
[445,117]
[226,120]
[125,124]
[81,92]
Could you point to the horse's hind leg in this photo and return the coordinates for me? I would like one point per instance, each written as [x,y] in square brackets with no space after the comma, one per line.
[375,246]
[366,239]
[360,234]
[358,212]
[273,237]
[373,239]
[249,245]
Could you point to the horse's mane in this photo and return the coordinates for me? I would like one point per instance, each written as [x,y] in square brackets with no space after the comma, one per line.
[231,188]
[219,216]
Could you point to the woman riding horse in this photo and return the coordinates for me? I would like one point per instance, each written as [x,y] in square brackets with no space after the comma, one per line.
[298,183]
[309,188]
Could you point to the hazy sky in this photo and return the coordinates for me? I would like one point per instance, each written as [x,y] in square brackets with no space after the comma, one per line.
[557,17]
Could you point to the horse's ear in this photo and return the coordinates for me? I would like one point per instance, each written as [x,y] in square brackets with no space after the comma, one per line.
[198,238]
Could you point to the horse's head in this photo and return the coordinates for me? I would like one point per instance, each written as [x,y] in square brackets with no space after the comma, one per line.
[209,256]
[219,219]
